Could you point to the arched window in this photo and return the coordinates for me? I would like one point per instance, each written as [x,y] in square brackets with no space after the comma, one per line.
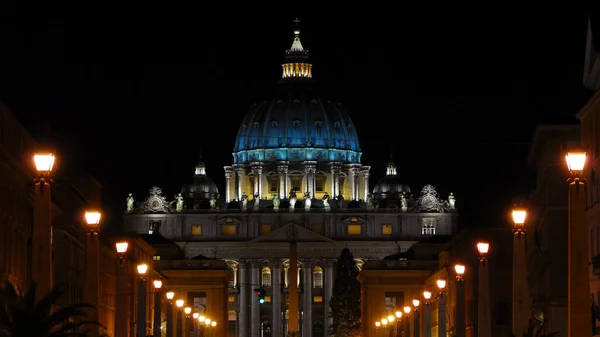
[317,277]
[266,277]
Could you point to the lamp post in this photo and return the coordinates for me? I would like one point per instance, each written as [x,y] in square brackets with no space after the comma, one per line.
[170,296]
[195,324]
[520,305]
[92,267]
[398,317]
[384,322]
[578,303]
[187,311]
[179,304]
[141,310]
[157,308]
[427,318]
[391,318]
[407,311]
[441,309]
[122,299]
[41,265]
[484,320]
[377,325]
[417,318]
[460,301]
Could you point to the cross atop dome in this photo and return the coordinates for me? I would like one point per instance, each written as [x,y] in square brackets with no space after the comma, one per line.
[297,45]
[296,64]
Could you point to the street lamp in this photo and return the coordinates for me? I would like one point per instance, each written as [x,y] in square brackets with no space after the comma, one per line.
[427,318]
[441,283]
[384,322]
[41,265]
[141,317]
[578,307]
[398,317]
[195,324]
[484,320]
[417,318]
[157,308]
[460,301]
[122,300]
[179,303]
[520,298]
[170,296]
[92,267]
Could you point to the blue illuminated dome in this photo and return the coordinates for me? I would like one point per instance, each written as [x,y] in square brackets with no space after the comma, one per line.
[296,125]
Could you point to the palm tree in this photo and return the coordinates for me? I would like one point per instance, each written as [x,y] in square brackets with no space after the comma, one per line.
[22,316]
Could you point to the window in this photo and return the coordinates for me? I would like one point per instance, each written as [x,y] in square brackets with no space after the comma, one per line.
[386,229]
[317,299]
[296,183]
[266,277]
[154,227]
[272,180]
[196,230]
[318,228]
[320,183]
[428,226]
[264,229]
[231,298]
[354,229]
[229,230]
[317,277]
[267,299]
[156,257]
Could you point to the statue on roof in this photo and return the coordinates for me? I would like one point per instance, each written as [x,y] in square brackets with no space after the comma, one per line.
[130,203]
[179,203]
[307,201]
[293,199]
[451,201]
[276,201]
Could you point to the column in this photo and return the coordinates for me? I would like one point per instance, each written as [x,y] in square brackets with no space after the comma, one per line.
[441,314]
[244,294]
[484,328]
[520,318]
[427,318]
[276,300]
[353,176]
[229,183]
[327,292]
[307,298]
[336,170]
[417,325]
[157,313]
[578,304]
[141,308]
[239,181]
[257,172]
[41,259]
[254,305]
[92,270]
[364,177]
[282,173]
[460,308]
[310,169]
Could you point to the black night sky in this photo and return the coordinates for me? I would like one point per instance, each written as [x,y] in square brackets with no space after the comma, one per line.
[132,95]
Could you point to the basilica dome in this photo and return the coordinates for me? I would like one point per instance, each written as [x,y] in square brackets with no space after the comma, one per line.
[198,193]
[296,124]
[390,186]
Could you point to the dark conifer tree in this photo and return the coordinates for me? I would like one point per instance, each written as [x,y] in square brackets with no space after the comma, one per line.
[345,299]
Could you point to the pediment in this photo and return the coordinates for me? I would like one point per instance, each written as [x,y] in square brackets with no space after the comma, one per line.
[292,232]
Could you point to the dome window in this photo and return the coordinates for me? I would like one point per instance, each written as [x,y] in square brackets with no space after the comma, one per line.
[256,124]
[296,101]
[274,124]
[296,123]
[336,125]
[318,124]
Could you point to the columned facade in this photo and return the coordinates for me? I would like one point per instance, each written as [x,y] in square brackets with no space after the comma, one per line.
[282,177]
[229,184]
[336,171]
[257,172]
[310,168]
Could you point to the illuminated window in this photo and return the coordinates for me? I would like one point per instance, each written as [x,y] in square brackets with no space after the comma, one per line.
[229,230]
[264,229]
[354,219]
[232,315]
[317,228]
[231,299]
[197,230]
[354,229]
[317,277]
[154,227]
[156,257]
[386,229]
[267,299]
[272,179]
[296,183]
[266,277]
[318,299]
[229,220]
[428,226]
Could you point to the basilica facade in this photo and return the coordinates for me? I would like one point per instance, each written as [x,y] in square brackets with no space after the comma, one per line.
[296,177]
